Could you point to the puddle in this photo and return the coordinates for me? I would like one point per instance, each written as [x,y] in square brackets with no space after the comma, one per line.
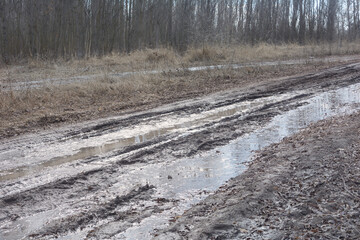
[211,170]
[192,179]
[174,124]
[189,180]
[24,227]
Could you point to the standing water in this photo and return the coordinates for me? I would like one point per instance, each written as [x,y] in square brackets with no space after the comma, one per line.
[187,181]
[212,169]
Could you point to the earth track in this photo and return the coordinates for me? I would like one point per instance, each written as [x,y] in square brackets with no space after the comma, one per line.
[92,199]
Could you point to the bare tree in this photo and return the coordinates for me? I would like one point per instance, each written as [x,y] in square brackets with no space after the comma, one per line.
[332,10]
[81,28]
[4,35]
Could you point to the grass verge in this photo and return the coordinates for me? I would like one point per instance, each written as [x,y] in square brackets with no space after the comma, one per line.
[32,109]
[35,69]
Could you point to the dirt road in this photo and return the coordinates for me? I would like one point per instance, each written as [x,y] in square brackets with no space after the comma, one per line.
[306,187]
[129,177]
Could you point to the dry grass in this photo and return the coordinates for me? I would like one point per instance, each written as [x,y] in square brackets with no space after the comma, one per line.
[164,58]
[205,54]
[268,52]
[35,69]
[28,109]
[105,95]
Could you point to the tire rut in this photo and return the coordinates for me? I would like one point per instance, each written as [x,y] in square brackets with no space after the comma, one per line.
[204,138]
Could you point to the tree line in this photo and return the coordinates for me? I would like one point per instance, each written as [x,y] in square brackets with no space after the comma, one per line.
[80,28]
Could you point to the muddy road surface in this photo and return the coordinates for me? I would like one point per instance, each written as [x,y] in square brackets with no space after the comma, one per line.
[129,177]
[305,187]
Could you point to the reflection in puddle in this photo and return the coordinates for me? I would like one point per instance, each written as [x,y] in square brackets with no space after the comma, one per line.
[83,153]
[193,178]
[327,105]
[212,169]
[24,226]
[189,122]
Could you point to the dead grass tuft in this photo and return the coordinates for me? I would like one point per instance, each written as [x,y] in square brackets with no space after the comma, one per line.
[164,58]
[270,52]
[161,55]
[205,54]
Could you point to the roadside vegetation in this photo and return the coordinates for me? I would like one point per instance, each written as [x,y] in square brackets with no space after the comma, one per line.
[85,28]
[105,95]
[36,68]
[41,39]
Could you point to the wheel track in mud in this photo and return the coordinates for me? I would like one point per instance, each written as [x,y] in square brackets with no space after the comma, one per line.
[213,134]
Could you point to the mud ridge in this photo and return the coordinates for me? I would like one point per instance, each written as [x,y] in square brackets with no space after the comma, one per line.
[102,211]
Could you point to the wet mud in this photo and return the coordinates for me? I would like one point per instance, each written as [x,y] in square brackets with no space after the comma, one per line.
[305,187]
[129,177]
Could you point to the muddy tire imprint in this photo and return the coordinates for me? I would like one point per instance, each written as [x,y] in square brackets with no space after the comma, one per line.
[303,187]
[96,194]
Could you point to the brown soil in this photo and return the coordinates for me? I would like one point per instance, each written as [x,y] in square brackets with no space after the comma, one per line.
[32,110]
[305,187]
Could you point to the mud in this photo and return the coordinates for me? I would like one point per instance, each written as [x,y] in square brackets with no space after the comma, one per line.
[126,177]
[306,187]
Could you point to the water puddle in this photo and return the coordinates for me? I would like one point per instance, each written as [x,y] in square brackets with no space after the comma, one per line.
[177,124]
[189,180]
[25,226]
[211,170]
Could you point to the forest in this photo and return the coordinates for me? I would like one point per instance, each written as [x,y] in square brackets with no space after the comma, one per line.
[83,28]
